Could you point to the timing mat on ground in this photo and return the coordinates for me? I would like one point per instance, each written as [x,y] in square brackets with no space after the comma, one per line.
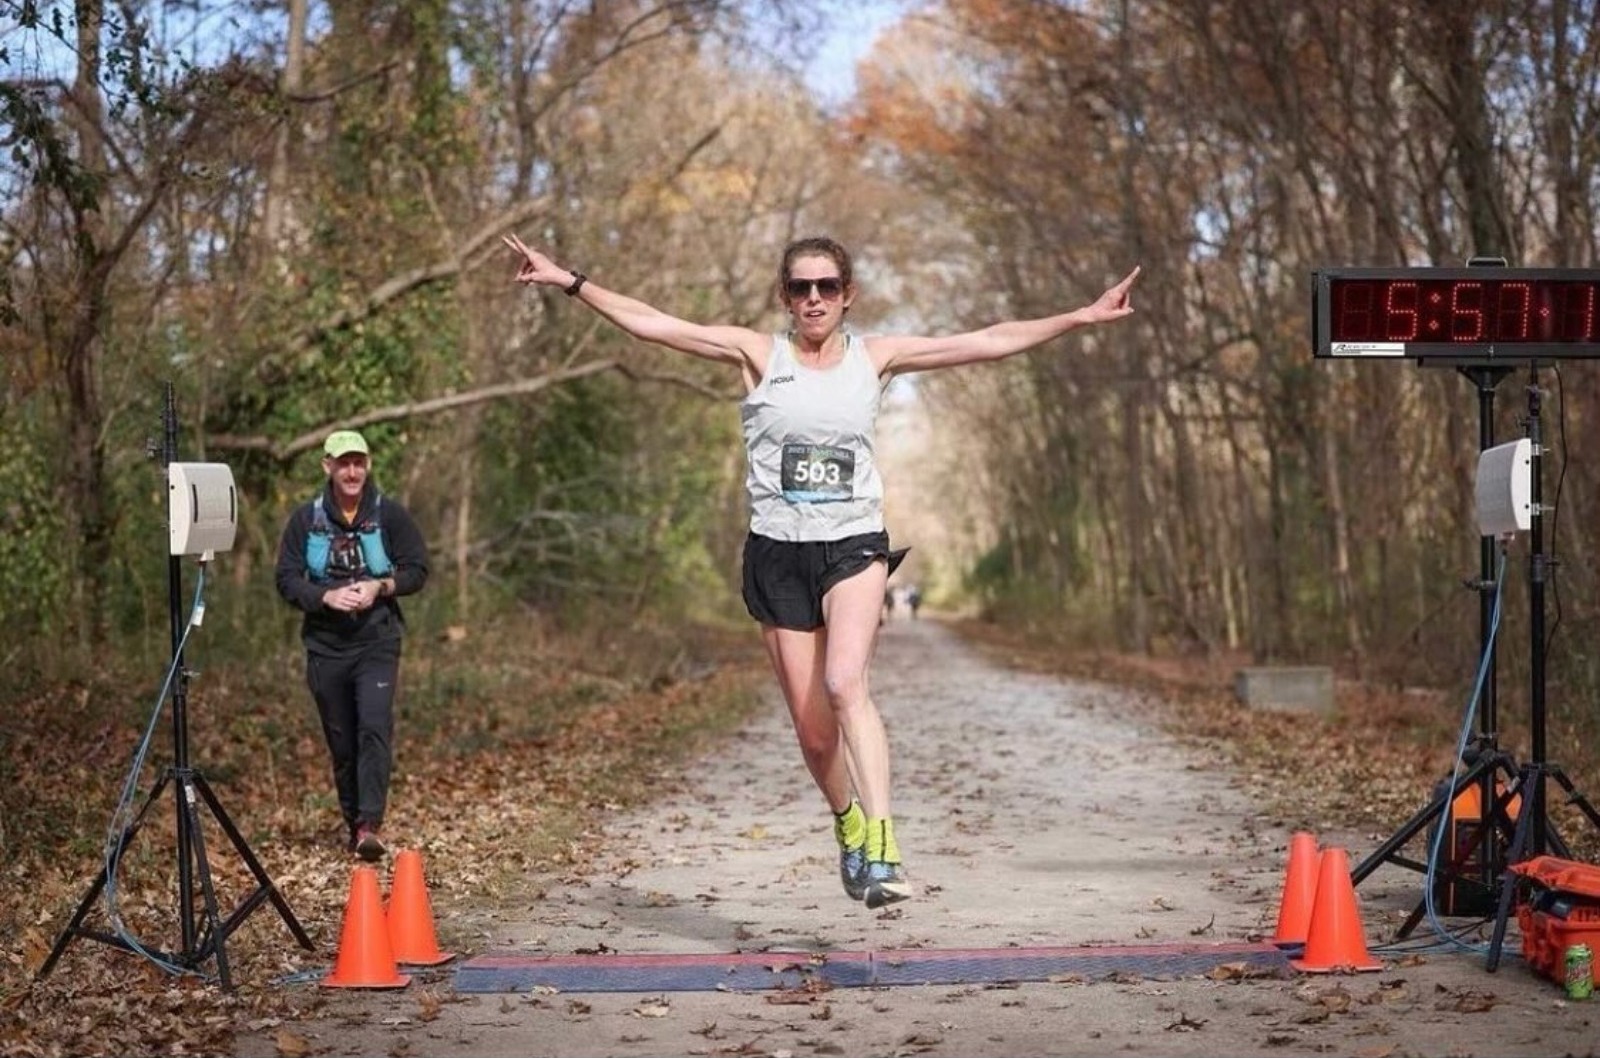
[748,972]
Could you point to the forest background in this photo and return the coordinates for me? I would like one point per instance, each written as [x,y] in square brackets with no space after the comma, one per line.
[290,211]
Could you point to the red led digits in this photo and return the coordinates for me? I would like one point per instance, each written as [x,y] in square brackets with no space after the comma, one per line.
[1513,312]
[1577,313]
[1457,312]
[1401,312]
[1353,310]
[1466,312]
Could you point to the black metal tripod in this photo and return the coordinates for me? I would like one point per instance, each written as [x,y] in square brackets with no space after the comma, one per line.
[200,940]
[1474,867]
[1534,835]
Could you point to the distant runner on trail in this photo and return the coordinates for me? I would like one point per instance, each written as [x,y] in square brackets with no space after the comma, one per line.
[817,559]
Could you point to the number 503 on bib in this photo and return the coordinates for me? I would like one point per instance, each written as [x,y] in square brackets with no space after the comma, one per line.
[814,473]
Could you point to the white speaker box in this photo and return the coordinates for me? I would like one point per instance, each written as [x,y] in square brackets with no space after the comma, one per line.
[202,508]
[1505,488]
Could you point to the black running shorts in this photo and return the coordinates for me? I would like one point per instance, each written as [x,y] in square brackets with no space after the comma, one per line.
[784,581]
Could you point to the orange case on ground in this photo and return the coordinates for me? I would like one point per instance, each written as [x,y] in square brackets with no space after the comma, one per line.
[1564,910]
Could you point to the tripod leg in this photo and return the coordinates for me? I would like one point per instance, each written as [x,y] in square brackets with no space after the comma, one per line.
[99,882]
[215,937]
[1499,806]
[1408,830]
[265,883]
[1554,842]
[1576,798]
[1519,846]
[1411,920]
[1457,870]
[1498,815]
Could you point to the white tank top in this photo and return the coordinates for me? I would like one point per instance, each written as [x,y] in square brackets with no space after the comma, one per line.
[808,434]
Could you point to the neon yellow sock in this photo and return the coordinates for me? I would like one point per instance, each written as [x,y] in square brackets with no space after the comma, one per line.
[850,826]
[880,841]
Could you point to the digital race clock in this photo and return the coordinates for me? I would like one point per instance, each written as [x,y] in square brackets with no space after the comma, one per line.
[1480,314]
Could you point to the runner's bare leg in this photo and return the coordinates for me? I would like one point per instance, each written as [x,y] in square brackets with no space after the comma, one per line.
[850,613]
[797,660]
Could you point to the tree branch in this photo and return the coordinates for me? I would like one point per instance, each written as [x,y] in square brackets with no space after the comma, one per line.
[343,86]
[522,387]
[283,452]
[402,284]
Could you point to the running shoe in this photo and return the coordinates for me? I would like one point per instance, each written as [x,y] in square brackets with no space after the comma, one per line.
[853,871]
[885,884]
[369,846]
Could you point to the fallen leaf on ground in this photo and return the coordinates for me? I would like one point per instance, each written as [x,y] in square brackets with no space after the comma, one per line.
[1469,1003]
[1336,1000]
[290,1045]
[794,997]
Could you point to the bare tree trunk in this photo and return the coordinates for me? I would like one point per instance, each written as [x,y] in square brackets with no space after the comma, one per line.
[1472,140]
[1253,552]
[1333,489]
[1112,579]
[1568,126]
[85,470]
[1136,521]
[1189,576]
[463,533]
[275,221]
[1278,635]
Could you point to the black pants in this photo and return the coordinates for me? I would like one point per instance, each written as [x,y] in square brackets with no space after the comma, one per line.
[355,697]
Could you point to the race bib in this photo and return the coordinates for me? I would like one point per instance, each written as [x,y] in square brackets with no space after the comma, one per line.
[818,473]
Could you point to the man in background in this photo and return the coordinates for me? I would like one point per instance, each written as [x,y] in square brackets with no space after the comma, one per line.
[345,559]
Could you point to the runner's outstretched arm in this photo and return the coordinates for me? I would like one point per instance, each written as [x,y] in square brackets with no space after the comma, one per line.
[906,353]
[725,344]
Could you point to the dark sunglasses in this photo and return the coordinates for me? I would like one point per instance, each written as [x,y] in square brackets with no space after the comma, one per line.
[828,288]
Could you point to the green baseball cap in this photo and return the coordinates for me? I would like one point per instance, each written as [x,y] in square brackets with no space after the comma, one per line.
[343,442]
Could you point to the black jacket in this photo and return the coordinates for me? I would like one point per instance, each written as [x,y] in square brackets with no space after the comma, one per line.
[331,632]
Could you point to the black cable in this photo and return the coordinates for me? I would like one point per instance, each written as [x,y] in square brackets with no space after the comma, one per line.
[1555,517]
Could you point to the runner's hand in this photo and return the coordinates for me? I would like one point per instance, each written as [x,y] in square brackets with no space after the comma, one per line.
[345,599]
[1115,303]
[536,267]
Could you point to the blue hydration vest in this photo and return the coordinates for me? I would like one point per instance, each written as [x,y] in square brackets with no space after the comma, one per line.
[368,533]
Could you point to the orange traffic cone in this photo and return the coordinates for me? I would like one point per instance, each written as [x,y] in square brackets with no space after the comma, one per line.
[365,959]
[1299,892]
[411,916]
[1335,940]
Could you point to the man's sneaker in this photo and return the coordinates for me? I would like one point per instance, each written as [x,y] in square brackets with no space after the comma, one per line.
[369,846]
[853,871]
[885,884]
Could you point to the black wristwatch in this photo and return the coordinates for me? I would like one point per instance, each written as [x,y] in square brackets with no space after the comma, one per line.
[578,279]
